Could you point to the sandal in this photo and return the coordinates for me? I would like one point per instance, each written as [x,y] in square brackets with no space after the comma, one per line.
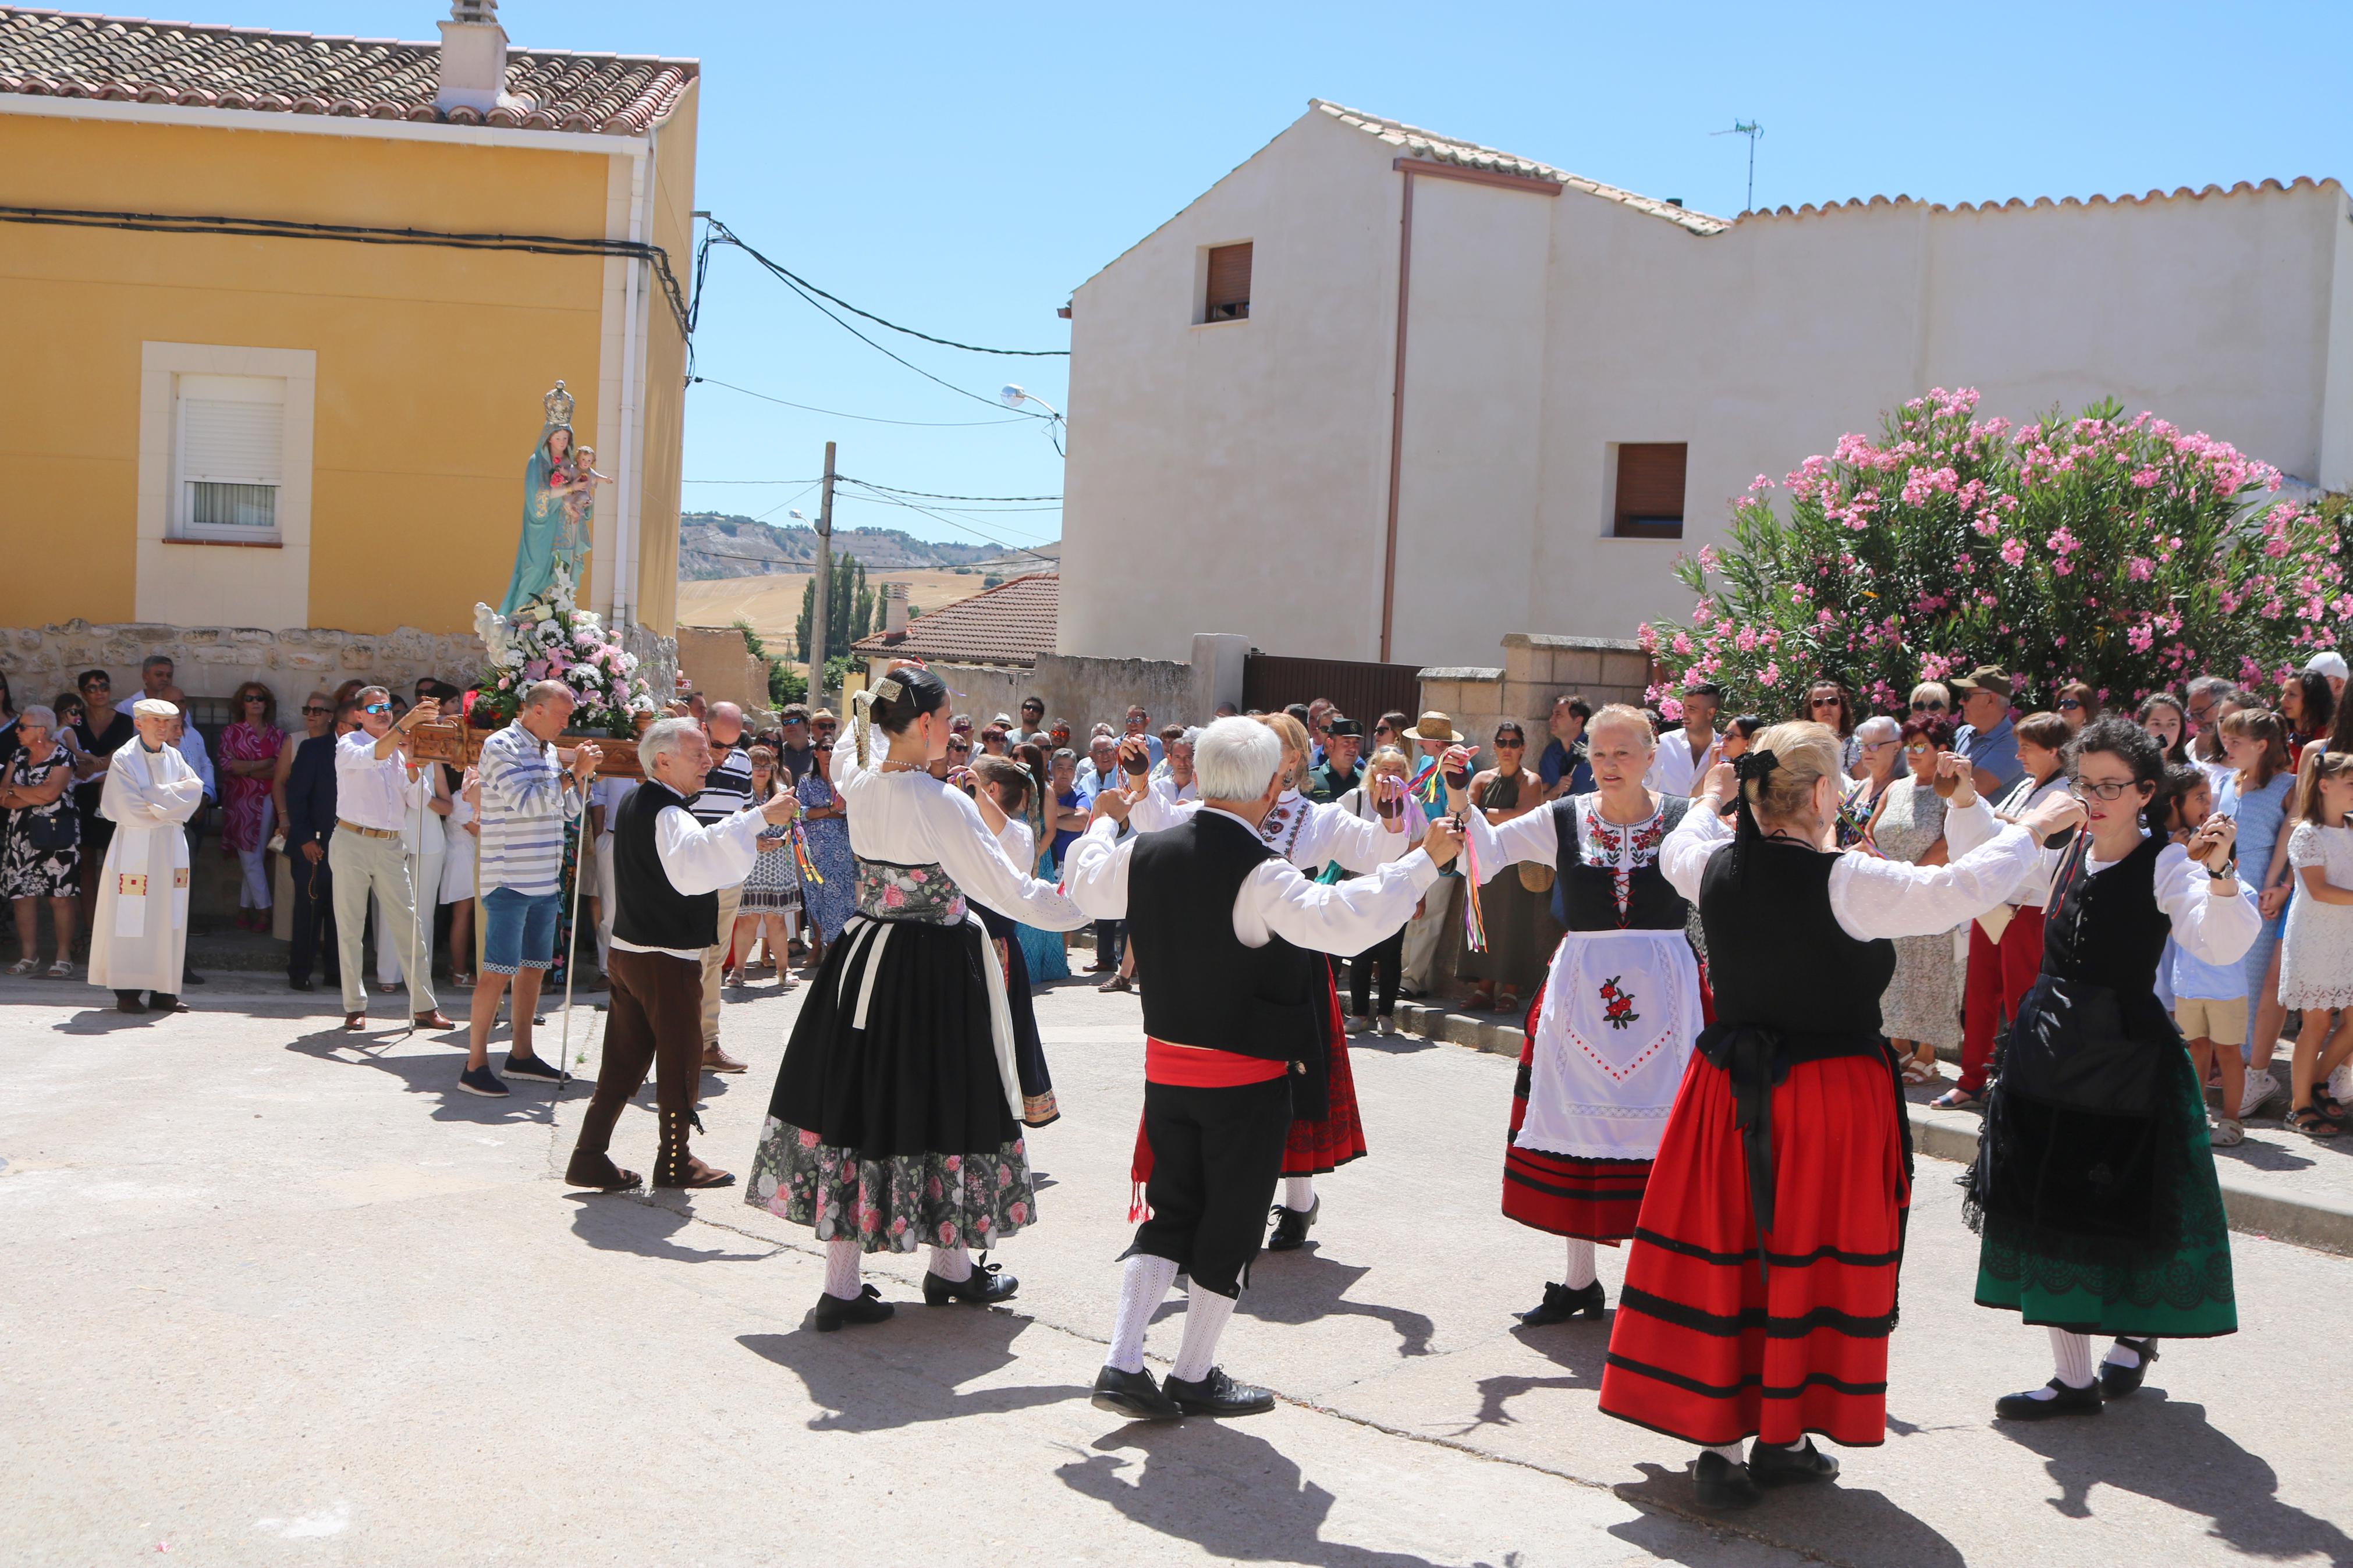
[461,979]
[2303,1119]
[61,970]
[1958,1099]
[2327,1104]
[1919,1072]
[25,966]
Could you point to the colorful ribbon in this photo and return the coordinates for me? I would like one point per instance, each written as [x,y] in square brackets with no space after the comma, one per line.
[1474,919]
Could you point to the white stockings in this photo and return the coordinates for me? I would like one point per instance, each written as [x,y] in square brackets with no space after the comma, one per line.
[1580,1264]
[2073,1353]
[1299,1193]
[1206,1312]
[841,1268]
[953,1264]
[1142,1287]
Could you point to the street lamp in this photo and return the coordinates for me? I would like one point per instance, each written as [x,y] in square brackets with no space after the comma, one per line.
[1014,397]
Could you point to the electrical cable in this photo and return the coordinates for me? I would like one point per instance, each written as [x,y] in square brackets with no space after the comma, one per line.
[952,523]
[934,495]
[870,418]
[725,236]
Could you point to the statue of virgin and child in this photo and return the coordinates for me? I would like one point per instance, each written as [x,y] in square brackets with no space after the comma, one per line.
[559,507]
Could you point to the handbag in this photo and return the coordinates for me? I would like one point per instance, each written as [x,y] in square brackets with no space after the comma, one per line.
[1536,877]
[50,831]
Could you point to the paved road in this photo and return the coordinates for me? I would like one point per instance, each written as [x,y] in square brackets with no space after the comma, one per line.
[269,1296]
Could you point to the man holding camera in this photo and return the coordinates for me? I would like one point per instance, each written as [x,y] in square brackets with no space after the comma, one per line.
[366,855]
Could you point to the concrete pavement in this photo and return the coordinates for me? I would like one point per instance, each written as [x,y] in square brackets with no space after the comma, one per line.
[268,1295]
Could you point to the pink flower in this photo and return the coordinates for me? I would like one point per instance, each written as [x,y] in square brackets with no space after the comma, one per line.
[2140,568]
[808,1139]
[1771,674]
[947,1234]
[2013,552]
[1019,1213]
[952,1164]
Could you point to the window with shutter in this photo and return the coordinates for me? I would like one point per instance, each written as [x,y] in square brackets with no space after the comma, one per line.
[231,459]
[1650,502]
[1230,283]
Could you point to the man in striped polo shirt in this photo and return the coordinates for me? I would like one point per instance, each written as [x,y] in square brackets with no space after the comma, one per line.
[527,800]
[726,789]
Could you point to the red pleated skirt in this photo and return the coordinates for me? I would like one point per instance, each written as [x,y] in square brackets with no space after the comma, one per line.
[1563,1193]
[1709,1346]
[1338,1136]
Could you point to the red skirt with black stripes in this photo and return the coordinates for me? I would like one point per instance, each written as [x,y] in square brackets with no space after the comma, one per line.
[1565,1194]
[1713,1343]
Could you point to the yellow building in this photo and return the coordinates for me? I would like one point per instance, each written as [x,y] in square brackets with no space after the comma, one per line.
[244,424]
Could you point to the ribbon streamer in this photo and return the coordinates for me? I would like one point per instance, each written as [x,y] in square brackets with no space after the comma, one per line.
[1474,919]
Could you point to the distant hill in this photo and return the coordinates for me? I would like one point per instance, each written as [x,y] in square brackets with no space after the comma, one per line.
[715,544]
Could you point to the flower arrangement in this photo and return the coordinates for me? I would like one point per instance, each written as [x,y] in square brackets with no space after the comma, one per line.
[2123,552]
[549,638]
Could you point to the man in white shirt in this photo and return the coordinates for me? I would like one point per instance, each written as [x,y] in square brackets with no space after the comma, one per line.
[1684,756]
[365,854]
[1173,781]
[1230,935]
[154,683]
[726,789]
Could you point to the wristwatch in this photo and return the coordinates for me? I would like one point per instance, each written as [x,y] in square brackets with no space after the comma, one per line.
[2229,873]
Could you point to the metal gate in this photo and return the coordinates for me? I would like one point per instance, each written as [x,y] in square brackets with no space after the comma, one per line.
[1364,691]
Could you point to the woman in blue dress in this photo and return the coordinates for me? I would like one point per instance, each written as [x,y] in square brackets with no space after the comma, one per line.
[824,820]
[1045,951]
[2254,795]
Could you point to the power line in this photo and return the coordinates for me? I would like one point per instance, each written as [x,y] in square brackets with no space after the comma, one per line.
[870,418]
[952,523]
[722,235]
[934,495]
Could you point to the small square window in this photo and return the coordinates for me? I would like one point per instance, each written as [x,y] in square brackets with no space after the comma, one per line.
[1650,500]
[1228,298]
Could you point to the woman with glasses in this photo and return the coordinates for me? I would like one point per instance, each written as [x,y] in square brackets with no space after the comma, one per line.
[2078,706]
[2162,715]
[1879,747]
[98,733]
[1519,933]
[1920,1008]
[1932,699]
[1827,702]
[2093,1190]
[825,829]
[40,839]
[249,751]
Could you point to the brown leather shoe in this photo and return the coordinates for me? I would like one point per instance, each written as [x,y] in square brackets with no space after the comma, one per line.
[434,1020]
[716,1060]
[356,1021]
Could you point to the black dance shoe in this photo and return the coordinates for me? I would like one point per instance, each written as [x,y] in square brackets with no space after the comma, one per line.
[1291,1226]
[1217,1394]
[2115,1382]
[130,1002]
[165,1002]
[2065,1401]
[1771,1464]
[1561,1303]
[832,1312]
[1133,1395]
[986,1285]
[1721,1484]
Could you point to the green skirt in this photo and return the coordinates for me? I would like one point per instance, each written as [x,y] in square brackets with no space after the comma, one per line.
[2185,1293]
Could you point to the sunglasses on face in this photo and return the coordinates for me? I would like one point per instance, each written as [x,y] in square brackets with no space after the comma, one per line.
[1825,701]
[257,698]
[1511,745]
[1920,749]
[1919,707]
[319,711]
[377,708]
[2069,704]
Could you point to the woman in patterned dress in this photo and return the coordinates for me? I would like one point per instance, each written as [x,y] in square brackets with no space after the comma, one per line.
[249,765]
[772,893]
[1920,1008]
[40,853]
[825,829]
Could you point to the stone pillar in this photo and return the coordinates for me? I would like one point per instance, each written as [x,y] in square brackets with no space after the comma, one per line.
[1218,658]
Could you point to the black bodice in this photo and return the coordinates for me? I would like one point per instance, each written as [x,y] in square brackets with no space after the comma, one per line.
[1586,897]
[2106,929]
[1778,958]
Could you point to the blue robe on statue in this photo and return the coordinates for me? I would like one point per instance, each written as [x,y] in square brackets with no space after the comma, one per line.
[542,521]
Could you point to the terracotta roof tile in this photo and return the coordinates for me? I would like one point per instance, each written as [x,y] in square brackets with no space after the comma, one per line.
[1010,624]
[2019,203]
[61,54]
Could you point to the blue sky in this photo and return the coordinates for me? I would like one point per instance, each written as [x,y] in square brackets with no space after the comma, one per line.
[962,168]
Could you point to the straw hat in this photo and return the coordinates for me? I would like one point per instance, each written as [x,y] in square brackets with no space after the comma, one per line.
[1435,726]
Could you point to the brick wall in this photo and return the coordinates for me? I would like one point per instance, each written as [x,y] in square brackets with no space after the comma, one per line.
[1537,667]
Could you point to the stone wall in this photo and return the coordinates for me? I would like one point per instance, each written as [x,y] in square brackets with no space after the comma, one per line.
[717,662]
[1090,691]
[1537,668]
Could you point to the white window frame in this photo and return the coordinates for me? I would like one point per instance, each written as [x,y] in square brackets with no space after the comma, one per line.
[184,523]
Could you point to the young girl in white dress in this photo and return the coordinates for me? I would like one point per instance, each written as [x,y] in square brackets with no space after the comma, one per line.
[2316,955]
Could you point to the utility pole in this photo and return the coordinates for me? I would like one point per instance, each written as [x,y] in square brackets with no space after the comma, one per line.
[821,596]
[1752,129]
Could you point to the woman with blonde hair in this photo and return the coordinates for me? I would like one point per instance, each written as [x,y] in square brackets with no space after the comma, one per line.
[1761,1290]
[1384,958]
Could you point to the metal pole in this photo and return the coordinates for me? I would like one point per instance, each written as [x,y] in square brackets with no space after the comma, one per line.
[821,597]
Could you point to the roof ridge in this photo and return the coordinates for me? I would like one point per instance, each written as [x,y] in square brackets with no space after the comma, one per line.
[239,30]
[1999,204]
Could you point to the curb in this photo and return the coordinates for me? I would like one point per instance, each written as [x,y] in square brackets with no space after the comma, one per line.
[2313,1221]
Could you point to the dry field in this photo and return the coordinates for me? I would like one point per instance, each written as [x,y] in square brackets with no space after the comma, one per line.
[773,603]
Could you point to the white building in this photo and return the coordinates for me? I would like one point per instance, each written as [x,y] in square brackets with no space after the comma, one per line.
[1497,398]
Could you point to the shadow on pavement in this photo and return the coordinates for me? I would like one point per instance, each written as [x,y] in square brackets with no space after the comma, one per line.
[627,1222]
[2167,1452]
[1577,1347]
[107,1020]
[435,1075]
[1843,1524]
[1303,1286]
[1399,1045]
[908,1370]
[1236,1496]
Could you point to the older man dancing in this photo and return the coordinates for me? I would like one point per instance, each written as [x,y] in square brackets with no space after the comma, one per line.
[1227,930]
[668,870]
[140,939]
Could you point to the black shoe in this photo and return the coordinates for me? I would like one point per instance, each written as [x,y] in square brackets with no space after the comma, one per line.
[832,1312]
[986,1285]
[1133,1395]
[1771,1464]
[190,977]
[2067,1401]
[294,984]
[1561,1303]
[533,1067]
[481,1080]
[1291,1226]
[1217,1394]
[130,1002]
[2115,1382]
[165,1002]
[1721,1484]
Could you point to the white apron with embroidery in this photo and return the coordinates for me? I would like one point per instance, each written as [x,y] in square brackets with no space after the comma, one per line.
[1620,1011]
[140,939]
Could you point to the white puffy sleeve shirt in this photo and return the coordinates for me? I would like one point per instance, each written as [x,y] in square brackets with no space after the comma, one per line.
[1276,897]
[910,818]
[1874,898]
[1307,834]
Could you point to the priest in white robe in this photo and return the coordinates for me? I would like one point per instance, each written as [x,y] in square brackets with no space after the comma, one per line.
[138,942]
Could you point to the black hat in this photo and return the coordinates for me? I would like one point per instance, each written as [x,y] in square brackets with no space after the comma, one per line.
[1345,729]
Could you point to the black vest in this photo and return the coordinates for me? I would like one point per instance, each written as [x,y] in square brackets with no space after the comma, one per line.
[1201,986]
[2108,929]
[648,911]
[1777,957]
[1585,898]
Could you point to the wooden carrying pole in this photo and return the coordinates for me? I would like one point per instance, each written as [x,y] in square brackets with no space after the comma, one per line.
[821,594]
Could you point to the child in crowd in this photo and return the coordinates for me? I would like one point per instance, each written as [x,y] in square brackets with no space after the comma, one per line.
[2210,1000]
[2317,954]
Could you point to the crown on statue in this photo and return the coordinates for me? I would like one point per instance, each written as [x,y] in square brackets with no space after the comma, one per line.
[559,405]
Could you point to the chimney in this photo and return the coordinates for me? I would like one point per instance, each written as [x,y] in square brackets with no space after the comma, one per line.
[894,606]
[473,57]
